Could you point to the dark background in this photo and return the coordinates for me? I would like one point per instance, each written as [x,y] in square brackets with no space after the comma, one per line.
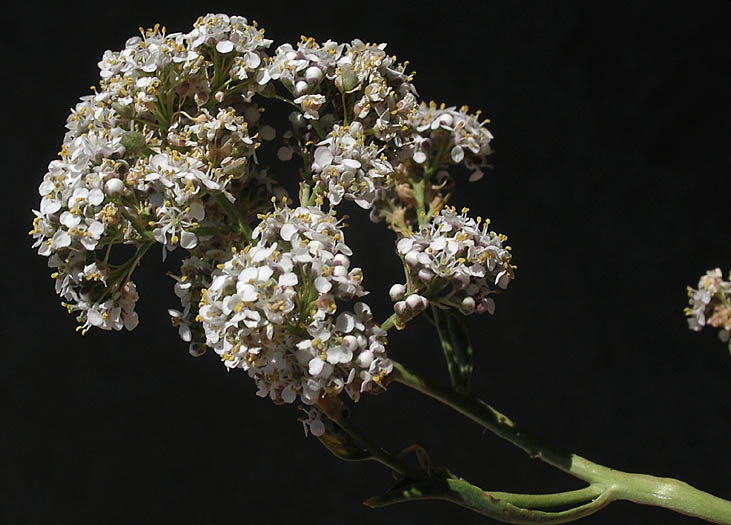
[611,179]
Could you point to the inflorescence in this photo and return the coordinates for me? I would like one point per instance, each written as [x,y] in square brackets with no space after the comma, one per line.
[167,150]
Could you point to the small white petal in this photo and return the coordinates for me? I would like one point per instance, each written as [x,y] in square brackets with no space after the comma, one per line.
[287,231]
[322,285]
[288,279]
[225,46]
[457,154]
[188,240]
[323,157]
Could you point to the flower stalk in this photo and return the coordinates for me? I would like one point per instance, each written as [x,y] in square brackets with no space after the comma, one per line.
[616,485]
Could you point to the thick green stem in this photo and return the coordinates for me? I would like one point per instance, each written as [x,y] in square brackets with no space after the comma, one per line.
[639,488]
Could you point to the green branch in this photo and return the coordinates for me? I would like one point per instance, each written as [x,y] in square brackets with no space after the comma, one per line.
[639,488]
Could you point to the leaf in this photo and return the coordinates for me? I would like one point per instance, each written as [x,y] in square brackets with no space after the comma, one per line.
[457,347]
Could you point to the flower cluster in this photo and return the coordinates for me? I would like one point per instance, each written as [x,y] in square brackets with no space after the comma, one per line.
[347,166]
[457,261]
[710,304]
[447,134]
[271,310]
[380,92]
[167,151]
[151,157]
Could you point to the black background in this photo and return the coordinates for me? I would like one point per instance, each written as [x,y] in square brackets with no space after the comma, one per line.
[612,180]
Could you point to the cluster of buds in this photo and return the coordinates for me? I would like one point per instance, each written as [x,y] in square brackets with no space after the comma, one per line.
[710,304]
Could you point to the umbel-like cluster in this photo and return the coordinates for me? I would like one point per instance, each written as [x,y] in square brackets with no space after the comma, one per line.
[710,304]
[168,150]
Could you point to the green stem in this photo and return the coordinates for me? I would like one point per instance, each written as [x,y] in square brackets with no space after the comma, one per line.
[233,213]
[418,187]
[639,488]
[547,501]
[318,128]
[390,322]
[375,452]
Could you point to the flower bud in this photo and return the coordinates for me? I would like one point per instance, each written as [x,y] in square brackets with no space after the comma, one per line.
[397,292]
[219,96]
[364,359]
[416,303]
[350,342]
[313,74]
[342,260]
[197,349]
[467,306]
[412,258]
[400,308]
[460,280]
[426,275]
[113,186]
[300,88]
[200,98]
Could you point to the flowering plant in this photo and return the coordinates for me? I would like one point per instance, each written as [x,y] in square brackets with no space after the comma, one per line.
[169,150]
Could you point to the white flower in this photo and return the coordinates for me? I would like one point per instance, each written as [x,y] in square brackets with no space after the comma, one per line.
[311,104]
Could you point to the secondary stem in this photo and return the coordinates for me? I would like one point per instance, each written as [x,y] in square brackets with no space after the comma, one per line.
[639,488]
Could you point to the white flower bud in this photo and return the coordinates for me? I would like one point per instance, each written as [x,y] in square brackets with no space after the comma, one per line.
[460,280]
[342,260]
[397,292]
[400,308]
[412,258]
[350,342]
[114,186]
[426,275]
[365,359]
[313,74]
[300,88]
[416,302]
[219,96]
[467,306]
